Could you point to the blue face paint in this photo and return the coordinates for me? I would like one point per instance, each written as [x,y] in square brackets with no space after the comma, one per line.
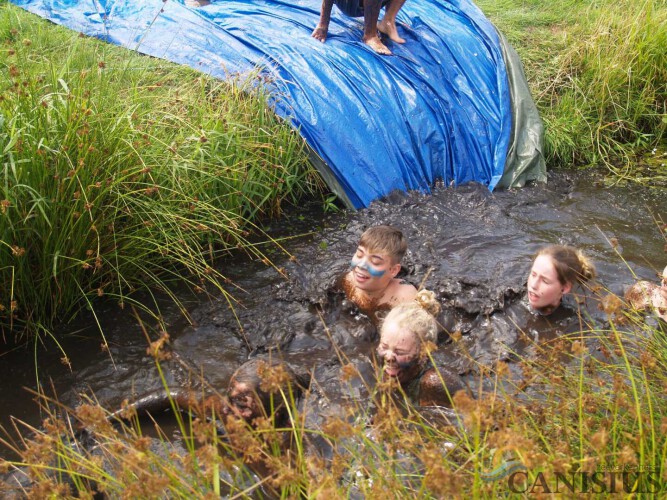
[375,273]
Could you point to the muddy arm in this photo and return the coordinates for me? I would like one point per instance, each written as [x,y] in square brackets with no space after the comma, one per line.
[161,400]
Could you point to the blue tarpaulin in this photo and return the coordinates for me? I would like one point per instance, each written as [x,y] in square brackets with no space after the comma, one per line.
[439,108]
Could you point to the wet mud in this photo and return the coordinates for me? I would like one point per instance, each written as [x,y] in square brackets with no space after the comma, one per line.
[471,247]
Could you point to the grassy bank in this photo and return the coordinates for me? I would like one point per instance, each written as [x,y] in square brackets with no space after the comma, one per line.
[585,416]
[598,73]
[122,172]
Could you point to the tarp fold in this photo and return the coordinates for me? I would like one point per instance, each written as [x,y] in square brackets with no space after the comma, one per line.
[442,107]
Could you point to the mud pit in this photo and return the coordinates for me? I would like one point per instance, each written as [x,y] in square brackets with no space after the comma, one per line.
[471,247]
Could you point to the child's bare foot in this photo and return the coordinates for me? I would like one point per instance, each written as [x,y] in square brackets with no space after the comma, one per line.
[390,30]
[319,34]
[376,44]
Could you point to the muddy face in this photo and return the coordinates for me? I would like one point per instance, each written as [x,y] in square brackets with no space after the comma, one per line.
[399,352]
[243,402]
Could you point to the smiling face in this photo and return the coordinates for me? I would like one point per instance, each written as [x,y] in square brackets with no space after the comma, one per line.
[372,271]
[545,291]
[399,350]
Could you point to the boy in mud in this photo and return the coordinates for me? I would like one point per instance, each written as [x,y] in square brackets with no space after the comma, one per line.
[372,283]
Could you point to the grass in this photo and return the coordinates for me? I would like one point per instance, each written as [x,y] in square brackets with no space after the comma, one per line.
[120,172]
[598,73]
[587,407]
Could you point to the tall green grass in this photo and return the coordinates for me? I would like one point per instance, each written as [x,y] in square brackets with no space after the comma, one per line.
[120,172]
[598,73]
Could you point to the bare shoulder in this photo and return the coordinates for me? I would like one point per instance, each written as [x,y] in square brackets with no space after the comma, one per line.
[402,291]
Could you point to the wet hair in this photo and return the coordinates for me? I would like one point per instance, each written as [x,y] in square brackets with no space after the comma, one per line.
[571,264]
[640,295]
[417,316]
[385,239]
[253,373]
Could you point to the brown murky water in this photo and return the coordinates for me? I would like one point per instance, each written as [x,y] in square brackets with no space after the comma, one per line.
[472,247]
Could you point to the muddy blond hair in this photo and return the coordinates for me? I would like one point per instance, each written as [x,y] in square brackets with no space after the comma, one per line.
[571,265]
[417,316]
[385,239]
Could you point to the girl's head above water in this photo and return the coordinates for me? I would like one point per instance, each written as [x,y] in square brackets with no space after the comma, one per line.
[556,269]
[403,331]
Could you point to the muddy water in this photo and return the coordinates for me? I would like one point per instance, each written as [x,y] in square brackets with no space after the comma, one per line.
[472,247]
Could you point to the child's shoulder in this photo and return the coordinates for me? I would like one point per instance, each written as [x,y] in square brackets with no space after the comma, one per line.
[401,291]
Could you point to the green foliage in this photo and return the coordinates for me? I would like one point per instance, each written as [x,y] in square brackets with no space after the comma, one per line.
[120,172]
[598,73]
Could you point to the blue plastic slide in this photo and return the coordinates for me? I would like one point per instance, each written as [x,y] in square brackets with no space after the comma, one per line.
[444,106]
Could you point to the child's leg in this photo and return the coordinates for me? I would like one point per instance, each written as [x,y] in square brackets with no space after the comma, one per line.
[388,23]
[322,28]
[371,38]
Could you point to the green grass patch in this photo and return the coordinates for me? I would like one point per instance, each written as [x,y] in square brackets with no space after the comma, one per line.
[121,172]
[598,73]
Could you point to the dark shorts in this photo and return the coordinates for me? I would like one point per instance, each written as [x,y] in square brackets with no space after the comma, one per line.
[353,8]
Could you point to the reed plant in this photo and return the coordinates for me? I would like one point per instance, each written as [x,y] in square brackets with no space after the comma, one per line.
[121,172]
[586,415]
[598,73]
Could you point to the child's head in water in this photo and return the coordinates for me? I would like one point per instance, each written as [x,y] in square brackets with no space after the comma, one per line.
[249,394]
[377,259]
[375,265]
[647,295]
[556,269]
[404,330]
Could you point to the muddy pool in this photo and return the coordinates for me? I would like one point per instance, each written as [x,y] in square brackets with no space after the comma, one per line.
[471,247]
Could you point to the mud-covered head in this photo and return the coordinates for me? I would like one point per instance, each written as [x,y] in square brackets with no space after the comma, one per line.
[556,269]
[403,332]
[259,388]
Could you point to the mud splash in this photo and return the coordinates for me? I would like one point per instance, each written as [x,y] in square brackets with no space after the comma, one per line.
[471,247]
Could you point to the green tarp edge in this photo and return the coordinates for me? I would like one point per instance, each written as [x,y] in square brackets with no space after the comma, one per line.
[525,160]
